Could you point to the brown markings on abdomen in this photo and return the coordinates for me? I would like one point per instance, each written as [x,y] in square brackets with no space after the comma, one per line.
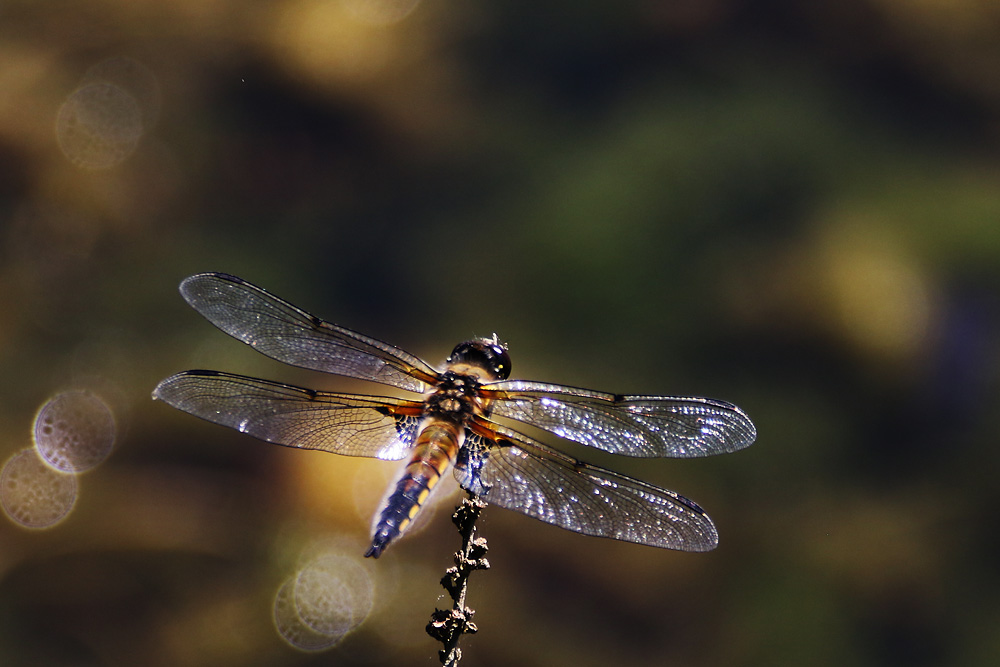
[434,452]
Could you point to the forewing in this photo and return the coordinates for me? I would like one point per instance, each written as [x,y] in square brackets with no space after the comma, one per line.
[645,426]
[510,470]
[383,428]
[281,331]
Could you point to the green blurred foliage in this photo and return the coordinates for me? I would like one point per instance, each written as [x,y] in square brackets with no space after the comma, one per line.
[792,206]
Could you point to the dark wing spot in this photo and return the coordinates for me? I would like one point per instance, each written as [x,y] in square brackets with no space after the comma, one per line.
[203,373]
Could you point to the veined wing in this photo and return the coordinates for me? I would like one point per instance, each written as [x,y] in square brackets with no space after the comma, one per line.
[510,470]
[645,426]
[276,328]
[383,428]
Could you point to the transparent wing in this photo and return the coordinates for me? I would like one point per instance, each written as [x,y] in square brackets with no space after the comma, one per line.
[645,426]
[281,331]
[512,471]
[382,428]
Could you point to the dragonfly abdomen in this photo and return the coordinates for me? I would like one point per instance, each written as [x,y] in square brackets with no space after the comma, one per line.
[434,452]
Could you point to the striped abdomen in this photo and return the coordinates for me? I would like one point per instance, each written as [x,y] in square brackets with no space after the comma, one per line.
[434,451]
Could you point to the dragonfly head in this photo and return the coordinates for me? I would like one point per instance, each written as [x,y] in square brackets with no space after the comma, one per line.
[488,354]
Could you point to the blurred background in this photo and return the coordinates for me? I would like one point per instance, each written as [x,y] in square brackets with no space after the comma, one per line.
[791,206]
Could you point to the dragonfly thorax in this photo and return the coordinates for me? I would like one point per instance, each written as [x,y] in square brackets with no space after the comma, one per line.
[455,397]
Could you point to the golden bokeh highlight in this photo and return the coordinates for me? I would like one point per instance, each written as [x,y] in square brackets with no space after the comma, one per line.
[379,12]
[74,431]
[876,292]
[134,78]
[335,45]
[33,494]
[948,16]
[327,598]
[850,280]
[290,626]
[322,39]
[98,126]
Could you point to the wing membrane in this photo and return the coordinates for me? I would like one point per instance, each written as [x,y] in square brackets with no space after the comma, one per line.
[372,426]
[281,331]
[512,471]
[643,426]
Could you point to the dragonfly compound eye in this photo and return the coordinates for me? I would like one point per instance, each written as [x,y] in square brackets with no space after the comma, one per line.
[485,353]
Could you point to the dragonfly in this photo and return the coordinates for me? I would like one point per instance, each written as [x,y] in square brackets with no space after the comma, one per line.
[452,423]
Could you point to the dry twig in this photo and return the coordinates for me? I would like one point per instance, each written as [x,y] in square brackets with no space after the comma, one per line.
[448,625]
